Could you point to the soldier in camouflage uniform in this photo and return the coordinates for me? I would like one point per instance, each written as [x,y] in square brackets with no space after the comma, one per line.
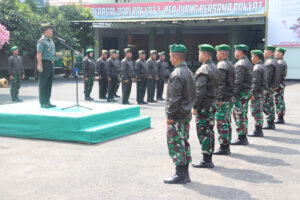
[101,67]
[279,91]
[88,71]
[118,63]
[224,98]
[127,69]
[179,102]
[242,89]
[112,75]
[152,67]
[16,73]
[273,77]
[142,74]
[205,106]
[161,67]
[257,94]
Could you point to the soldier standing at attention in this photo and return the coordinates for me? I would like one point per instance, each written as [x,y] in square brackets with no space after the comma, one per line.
[102,66]
[272,83]
[257,94]
[16,73]
[179,102]
[279,92]
[152,67]
[224,98]
[142,77]
[242,89]
[45,58]
[112,75]
[161,66]
[88,71]
[127,75]
[205,105]
[118,63]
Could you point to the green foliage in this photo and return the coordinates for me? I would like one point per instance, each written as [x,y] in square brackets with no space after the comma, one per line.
[23,21]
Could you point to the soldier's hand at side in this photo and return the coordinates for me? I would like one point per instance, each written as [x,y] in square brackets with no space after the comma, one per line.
[126,81]
[195,112]
[157,78]
[139,80]
[132,79]
[170,121]
[252,98]
[11,78]
[99,77]
[220,103]
[23,76]
[109,79]
[150,77]
[40,68]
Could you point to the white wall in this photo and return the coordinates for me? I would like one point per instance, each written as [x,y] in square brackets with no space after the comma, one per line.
[292,56]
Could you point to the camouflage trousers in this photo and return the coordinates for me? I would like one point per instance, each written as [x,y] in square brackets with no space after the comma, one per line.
[15,86]
[269,109]
[257,108]
[279,100]
[240,112]
[205,122]
[88,86]
[178,145]
[223,119]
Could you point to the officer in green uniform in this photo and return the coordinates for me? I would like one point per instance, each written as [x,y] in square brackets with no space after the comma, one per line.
[127,69]
[152,67]
[142,74]
[180,100]
[206,78]
[101,67]
[112,75]
[224,98]
[16,73]
[242,89]
[279,91]
[118,63]
[88,71]
[162,65]
[45,59]
[257,94]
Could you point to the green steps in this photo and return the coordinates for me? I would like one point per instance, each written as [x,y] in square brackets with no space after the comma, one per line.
[104,122]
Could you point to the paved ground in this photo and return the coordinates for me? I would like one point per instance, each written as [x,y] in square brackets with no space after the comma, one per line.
[133,167]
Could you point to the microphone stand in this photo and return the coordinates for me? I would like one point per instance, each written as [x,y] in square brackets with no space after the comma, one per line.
[76,78]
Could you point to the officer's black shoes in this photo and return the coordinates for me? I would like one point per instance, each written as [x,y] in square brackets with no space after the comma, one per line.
[223,150]
[102,97]
[160,99]
[126,102]
[205,163]
[143,102]
[51,105]
[270,126]
[257,132]
[140,103]
[116,96]
[280,121]
[45,106]
[111,100]
[89,98]
[241,140]
[18,100]
[181,176]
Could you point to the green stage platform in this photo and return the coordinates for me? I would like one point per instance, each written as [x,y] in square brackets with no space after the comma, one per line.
[103,122]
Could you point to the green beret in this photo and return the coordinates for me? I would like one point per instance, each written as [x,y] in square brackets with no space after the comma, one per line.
[257,52]
[89,50]
[112,51]
[46,26]
[178,48]
[117,51]
[223,47]
[206,47]
[153,52]
[141,52]
[162,53]
[270,47]
[280,49]
[13,48]
[127,50]
[241,47]
[104,51]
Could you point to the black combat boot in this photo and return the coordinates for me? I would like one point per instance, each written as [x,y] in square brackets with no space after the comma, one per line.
[223,150]
[205,163]
[18,100]
[187,174]
[270,126]
[280,120]
[178,177]
[241,140]
[88,98]
[257,132]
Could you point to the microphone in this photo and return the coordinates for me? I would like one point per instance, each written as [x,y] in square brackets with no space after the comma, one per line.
[60,39]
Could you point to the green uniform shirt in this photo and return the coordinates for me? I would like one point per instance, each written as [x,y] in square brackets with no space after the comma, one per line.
[47,48]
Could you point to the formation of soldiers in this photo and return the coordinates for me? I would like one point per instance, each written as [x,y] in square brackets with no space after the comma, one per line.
[149,75]
[214,93]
